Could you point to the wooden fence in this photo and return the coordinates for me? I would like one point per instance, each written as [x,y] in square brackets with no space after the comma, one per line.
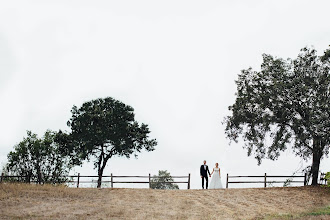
[79,179]
[148,179]
[265,179]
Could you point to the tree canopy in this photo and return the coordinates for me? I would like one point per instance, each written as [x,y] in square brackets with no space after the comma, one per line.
[103,128]
[38,159]
[286,104]
[164,180]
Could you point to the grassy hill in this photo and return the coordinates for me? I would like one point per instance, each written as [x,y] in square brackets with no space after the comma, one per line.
[22,201]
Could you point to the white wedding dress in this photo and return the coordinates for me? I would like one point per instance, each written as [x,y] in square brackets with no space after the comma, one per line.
[216,180]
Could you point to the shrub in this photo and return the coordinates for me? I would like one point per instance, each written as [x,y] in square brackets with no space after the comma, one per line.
[327,177]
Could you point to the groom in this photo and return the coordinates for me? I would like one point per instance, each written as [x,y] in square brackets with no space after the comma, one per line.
[204,170]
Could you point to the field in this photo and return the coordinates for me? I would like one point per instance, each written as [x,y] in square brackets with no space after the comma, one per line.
[21,201]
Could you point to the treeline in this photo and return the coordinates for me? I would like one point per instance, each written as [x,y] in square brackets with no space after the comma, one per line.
[100,129]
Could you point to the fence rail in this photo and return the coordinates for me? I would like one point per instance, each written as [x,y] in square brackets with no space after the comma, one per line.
[265,181]
[111,181]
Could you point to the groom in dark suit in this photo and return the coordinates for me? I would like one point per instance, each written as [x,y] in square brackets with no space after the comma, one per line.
[204,170]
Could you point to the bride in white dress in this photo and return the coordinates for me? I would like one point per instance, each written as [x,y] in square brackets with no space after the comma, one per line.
[216,178]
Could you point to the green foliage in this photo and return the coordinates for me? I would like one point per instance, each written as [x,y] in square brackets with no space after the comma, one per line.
[287,182]
[286,103]
[326,55]
[323,211]
[101,129]
[163,181]
[327,177]
[38,159]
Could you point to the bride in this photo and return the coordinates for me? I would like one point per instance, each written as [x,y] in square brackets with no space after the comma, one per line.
[216,178]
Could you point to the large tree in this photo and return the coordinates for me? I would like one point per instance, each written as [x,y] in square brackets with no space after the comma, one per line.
[285,104]
[38,159]
[103,128]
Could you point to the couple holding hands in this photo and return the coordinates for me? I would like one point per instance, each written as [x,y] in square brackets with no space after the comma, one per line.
[216,178]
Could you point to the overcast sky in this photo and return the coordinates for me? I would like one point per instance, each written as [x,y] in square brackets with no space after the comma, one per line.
[174,62]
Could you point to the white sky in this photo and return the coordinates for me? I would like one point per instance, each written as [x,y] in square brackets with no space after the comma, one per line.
[175,62]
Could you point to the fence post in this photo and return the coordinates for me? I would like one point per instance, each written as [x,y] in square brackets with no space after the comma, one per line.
[305,179]
[227,182]
[78,180]
[111,181]
[189,181]
[1,177]
[149,181]
[265,180]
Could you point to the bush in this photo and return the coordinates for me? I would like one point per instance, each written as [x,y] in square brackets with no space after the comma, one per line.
[327,177]
[164,180]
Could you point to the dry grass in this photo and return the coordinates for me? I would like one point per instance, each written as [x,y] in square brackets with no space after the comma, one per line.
[21,201]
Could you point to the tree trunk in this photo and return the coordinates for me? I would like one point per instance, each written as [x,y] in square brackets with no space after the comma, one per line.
[316,162]
[28,177]
[102,160]
[100,174]
[39,175]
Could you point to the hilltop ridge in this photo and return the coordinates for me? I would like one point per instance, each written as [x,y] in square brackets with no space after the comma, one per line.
[23,201]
